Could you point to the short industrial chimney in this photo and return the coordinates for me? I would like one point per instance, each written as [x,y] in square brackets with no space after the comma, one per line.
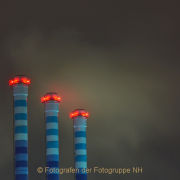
[79,117]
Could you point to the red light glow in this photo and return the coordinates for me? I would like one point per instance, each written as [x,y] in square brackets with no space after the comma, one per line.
[50,97]
[79,113]
[25,81]
[19,80]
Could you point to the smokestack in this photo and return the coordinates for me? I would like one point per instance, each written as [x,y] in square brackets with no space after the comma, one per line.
[51,103]
[20,126]
[79,117]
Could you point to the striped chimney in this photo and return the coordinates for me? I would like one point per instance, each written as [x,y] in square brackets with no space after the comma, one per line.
[51,103]
[79,117]
[20,126]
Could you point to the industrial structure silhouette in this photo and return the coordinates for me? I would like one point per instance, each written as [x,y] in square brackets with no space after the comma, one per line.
[51,101]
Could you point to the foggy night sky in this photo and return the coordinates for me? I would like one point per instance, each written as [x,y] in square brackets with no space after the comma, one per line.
[119,60]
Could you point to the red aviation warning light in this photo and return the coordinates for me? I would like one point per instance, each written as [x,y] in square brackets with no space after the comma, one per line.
[79,112]
[19,80]
[50,97]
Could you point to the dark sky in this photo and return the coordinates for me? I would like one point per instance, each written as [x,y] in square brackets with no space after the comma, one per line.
[119,60]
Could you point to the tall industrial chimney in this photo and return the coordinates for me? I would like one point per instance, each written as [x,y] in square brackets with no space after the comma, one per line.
[79,117]
[20,91]
[51,103]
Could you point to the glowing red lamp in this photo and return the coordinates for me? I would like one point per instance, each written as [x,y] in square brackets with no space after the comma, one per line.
[50,97]
[79,112]
[19,80]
